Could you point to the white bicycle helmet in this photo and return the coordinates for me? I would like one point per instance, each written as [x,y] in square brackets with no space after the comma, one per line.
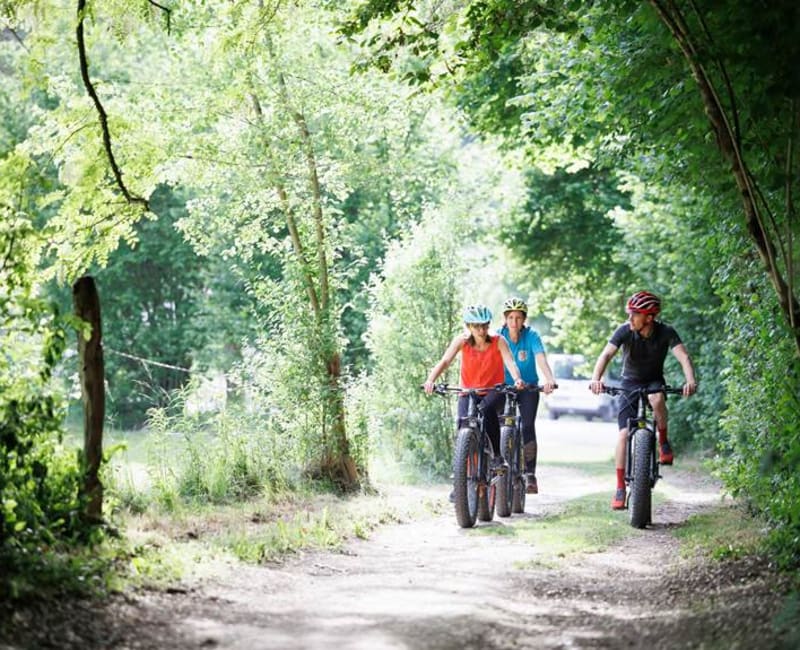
[515,304]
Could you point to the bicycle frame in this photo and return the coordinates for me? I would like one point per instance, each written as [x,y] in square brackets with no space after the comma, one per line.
[512,488]
[641,423]
[473,488]
[641,451]
[474,417]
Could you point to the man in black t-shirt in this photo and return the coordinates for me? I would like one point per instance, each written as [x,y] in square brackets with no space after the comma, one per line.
[644,342]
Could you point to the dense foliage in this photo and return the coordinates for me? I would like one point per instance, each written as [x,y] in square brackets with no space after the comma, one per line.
[680,105]
[41,507]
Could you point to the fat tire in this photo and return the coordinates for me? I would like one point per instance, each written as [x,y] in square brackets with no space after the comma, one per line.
[505,484]
[486,492]
[641,486]
[519,486]
[465,477]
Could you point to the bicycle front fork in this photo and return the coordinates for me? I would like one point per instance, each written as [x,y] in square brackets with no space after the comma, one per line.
[630,455]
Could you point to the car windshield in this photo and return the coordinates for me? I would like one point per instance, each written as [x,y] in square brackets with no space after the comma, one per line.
[577,367]
[571,366]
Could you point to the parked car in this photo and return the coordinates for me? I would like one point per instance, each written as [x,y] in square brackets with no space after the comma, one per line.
[573,397]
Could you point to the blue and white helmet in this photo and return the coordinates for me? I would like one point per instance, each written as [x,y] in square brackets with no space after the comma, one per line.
[477,314]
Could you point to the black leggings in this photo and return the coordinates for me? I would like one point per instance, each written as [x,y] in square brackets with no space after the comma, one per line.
[528,402]
[492,406]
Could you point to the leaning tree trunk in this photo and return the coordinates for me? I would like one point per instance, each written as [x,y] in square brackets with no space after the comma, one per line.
[90,366]
[725,126]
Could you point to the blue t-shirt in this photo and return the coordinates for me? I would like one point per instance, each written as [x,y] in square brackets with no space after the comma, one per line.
[524,352]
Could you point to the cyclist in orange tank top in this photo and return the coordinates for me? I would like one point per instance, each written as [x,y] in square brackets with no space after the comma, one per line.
[482,359]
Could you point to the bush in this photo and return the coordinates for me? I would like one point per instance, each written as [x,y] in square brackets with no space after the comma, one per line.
[41,510]
[414,310]
[761,448]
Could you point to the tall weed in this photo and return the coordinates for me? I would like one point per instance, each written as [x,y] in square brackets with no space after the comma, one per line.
[231,455]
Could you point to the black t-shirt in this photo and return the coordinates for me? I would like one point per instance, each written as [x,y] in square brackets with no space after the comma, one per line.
[643,358]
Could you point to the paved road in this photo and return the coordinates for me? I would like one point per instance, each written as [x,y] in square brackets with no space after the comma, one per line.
[575,439]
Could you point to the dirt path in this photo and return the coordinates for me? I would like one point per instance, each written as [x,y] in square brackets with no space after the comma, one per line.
[428,584]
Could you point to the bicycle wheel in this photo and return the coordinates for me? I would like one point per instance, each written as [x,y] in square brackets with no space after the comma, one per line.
[641,486]
[487,491]
[466,477]
[505,482]
[518,478]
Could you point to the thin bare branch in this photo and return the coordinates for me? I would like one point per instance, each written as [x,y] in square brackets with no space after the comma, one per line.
[734,111]
[16,36]
[313,174]
[291,222]
[165,10]
[87,82]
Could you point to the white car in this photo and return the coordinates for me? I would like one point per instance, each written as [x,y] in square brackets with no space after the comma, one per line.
[573,397]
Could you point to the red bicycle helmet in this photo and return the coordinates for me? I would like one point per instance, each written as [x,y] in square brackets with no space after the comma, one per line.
[644,302]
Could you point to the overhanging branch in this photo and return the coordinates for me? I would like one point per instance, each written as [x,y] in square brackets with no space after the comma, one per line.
[166,10]
[103,116]
[730,146]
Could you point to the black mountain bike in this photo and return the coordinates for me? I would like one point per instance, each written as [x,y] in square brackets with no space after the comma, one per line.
[474,482]
[512,487]
[641,456]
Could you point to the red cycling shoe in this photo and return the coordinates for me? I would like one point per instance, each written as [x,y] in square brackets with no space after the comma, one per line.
[618,502]
[665,453]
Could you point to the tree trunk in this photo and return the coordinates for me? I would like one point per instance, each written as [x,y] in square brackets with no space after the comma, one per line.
[90,355]
[725,129]
[338,463]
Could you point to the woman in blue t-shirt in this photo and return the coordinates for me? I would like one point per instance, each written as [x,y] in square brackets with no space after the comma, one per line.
[528,351]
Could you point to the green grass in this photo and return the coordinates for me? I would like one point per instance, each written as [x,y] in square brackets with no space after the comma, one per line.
[304,530]
[592,469]
[585,525]
[726,532]
[261,530]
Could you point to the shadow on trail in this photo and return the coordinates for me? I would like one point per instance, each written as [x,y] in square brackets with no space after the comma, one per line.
[568,573]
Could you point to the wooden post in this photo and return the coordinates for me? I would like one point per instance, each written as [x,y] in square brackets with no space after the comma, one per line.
[92,376]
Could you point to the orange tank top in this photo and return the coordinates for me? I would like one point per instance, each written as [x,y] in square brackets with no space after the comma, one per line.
[479,369]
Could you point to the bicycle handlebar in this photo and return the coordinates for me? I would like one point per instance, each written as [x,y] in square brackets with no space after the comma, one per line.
[444,389]
[618,390]
[528,388]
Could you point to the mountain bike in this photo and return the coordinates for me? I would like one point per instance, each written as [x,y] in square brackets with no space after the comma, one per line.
[641,455]
[512,487]
[474,482]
